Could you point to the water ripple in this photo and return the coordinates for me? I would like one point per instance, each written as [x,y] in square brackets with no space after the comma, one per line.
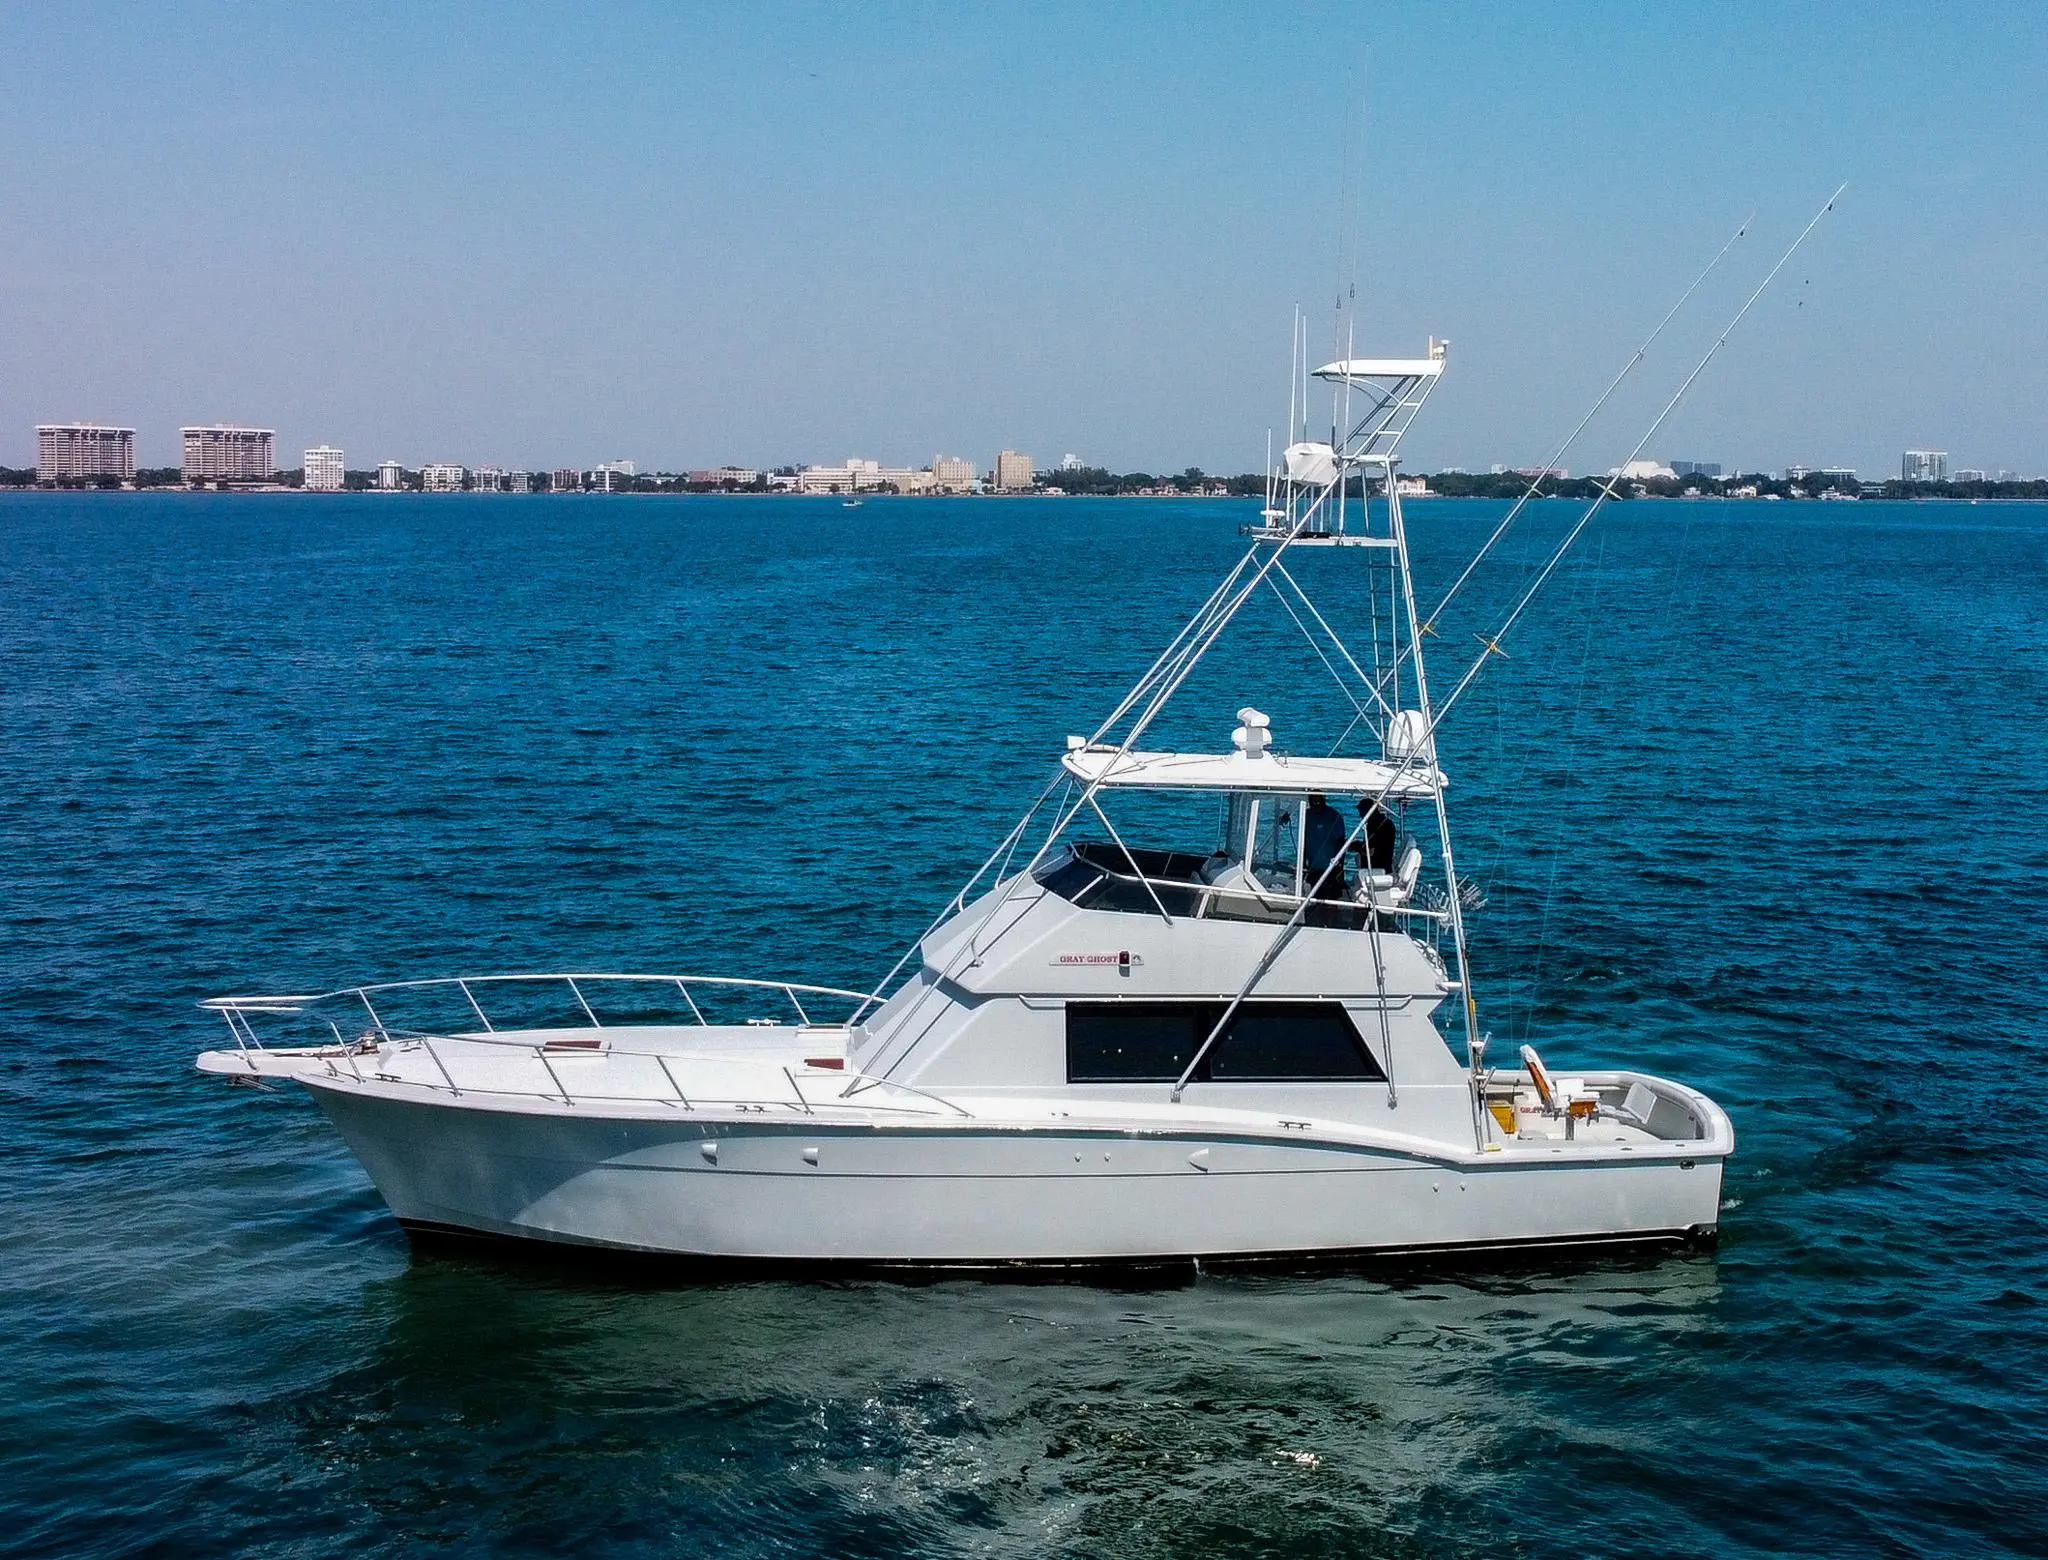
[1782,842]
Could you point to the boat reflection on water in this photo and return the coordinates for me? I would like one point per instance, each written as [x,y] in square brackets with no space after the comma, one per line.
[883,1417]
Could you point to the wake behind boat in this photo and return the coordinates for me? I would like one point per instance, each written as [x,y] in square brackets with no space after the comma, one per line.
[1253,1038]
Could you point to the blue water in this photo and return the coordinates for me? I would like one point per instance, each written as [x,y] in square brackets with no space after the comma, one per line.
[1757,798]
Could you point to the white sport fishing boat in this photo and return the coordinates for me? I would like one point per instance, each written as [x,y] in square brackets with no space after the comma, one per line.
[1104,1051]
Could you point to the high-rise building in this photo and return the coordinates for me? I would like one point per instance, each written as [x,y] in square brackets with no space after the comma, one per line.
[225,452]
[1013,470]
[440,477]
[84,450]
[323,469]
[566,480]
[487,479]
[390,476]
[1967,474]
[953,474]
[1696,468]
[518,482]
[1924,466]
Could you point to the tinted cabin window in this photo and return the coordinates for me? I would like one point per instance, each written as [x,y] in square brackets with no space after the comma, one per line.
[1115,1043]
[1280,1040]
[1098,877]
[1269,1042]
[1071,879]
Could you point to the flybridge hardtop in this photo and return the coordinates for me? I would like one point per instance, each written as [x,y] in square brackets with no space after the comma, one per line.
[1254,769]
[1246,1034]
[1361,370]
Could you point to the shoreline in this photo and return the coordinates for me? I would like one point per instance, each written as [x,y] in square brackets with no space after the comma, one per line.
[282,491]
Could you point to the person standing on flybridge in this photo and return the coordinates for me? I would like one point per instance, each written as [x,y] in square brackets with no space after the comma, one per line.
[1376,850]
[1322,848]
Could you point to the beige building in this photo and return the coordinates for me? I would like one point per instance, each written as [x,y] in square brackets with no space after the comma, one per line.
[1014,470]
[951,474]
[322,469]
[225,452]
[862,476]
[65,450]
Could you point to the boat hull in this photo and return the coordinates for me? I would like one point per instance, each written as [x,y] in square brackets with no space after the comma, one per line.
[987,1195]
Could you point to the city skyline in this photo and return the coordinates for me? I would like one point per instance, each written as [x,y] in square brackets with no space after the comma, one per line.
[1057,227]
[95,454]
[87,449]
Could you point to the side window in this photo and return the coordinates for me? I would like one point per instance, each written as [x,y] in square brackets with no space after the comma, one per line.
[1273,852]
[1237,826]
[1281,1041]
[1115,1042]
[1268,1042]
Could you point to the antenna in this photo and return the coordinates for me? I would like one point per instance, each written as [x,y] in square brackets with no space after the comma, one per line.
[1356,114]
[1293,368]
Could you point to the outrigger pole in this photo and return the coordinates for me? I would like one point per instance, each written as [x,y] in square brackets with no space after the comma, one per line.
[1376,685]
[1536,482]
[1492,647]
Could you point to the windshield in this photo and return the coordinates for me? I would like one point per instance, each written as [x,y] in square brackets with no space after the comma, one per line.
[1264,833]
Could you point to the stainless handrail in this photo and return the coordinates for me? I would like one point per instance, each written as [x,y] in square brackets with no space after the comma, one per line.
[244,1005]
[856,1083]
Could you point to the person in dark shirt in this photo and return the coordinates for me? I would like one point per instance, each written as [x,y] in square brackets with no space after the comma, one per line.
[1376,849]
[1378,838]
[1322,851]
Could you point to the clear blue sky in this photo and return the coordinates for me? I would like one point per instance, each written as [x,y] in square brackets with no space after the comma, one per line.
[530,235]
